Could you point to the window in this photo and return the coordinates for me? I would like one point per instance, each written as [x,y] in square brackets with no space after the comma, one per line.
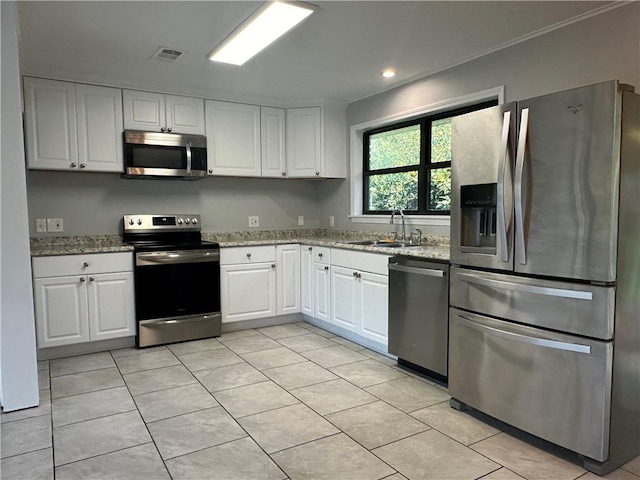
[408,165]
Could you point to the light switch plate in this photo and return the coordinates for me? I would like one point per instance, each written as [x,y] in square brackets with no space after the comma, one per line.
[300,219]
[54,225]
[41,225]
[254,221]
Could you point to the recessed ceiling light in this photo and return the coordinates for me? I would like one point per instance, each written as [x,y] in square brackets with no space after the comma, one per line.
[260,30]
[389,73]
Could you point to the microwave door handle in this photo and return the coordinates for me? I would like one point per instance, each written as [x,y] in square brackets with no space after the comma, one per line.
[520,157]
[501,214]
[188,147]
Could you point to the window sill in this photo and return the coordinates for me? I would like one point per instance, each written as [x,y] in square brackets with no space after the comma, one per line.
[427,220]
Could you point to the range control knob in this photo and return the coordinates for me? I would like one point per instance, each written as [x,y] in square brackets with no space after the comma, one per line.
[187,221]
[194,220]
[139,222]
[131,221]
[180,221]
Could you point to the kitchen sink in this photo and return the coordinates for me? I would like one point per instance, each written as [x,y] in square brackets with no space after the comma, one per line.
[378,243]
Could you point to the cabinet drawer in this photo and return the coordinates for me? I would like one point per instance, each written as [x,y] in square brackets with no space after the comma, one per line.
[257,254]
[58,266]
[366,262]
[322,255]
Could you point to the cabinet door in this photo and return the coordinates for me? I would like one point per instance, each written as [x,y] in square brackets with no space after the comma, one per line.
[304,142]
[343,298]
[288,277]
[233,139]
[322,292]
[111,308]
[185,115]
[50,123]
[143,110]
[61,311]
[99,114]
[373,306]
[272,142]
[247,291]
[306,280]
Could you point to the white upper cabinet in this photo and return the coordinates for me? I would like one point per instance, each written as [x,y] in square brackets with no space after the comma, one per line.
[304,142]
[72,127]
[316,142]
[163,113]
[233,139]
[185,115]
[272,142]
[99,112]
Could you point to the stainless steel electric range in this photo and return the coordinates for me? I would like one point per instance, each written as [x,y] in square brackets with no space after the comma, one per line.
[177,279]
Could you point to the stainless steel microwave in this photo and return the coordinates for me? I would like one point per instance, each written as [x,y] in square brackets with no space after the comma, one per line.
[164,155]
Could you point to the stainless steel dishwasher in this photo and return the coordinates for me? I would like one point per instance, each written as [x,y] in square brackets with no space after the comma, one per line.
[418,313]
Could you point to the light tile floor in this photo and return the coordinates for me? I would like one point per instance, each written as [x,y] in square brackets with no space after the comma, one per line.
[284,402]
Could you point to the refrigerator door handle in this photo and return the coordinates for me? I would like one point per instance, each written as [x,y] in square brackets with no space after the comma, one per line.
[552,292]
[501,217]
[517,337]
[522,145]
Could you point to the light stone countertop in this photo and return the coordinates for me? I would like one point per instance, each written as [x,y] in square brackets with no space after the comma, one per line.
[432,248]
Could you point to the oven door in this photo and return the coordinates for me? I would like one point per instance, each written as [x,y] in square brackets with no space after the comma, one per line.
[177,295]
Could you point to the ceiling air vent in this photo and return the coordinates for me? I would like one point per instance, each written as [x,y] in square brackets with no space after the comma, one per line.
[165,54]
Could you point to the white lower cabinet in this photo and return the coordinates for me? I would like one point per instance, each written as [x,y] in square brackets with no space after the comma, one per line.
[82,298]
[306,280]
[322,292]
[288,278]
[247,291]
[359,293]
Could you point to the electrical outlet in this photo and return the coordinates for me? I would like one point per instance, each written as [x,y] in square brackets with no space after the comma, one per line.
[54,225]
[41,225]
[332,221]
[300,219]
[254,221]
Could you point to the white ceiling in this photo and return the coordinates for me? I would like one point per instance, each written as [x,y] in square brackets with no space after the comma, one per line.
[336,54]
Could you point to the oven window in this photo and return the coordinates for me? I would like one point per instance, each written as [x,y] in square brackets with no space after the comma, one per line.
[177,289]
[151,156]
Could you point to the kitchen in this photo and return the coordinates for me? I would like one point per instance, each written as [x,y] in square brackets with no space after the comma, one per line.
[527,69]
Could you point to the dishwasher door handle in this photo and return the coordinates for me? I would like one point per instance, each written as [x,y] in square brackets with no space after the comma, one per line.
[429,272]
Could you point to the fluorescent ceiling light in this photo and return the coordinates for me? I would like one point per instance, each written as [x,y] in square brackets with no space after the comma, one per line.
[389,73]
[259,31]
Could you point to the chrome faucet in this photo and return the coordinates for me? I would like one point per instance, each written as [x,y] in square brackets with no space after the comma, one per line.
[403,237]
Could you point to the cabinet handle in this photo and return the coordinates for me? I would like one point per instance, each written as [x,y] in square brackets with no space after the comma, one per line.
[82,279]
[82,165]
[91,279]
[310,248]
[85,264]
[273,265]
[355,274]
[326,268]
[169,129]
[359,275]
[73,165]
[248,255]
[320,255]
[211,170]
[284,174]
[162,129]
[317,173]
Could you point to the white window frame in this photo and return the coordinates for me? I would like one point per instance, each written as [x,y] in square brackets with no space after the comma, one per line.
[356,142]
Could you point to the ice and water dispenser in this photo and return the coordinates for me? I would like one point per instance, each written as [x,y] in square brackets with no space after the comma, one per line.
[478,219]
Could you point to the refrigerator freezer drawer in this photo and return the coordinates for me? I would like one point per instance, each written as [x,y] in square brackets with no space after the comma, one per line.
[580,309]
[554,386]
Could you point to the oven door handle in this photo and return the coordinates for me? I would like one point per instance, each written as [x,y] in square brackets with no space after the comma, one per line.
[176,257]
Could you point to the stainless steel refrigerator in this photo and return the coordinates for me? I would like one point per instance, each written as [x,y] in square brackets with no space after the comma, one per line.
[545,279]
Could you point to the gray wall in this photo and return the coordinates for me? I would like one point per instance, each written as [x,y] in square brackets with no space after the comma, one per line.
[597,49]
[93,203]
[18,370]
